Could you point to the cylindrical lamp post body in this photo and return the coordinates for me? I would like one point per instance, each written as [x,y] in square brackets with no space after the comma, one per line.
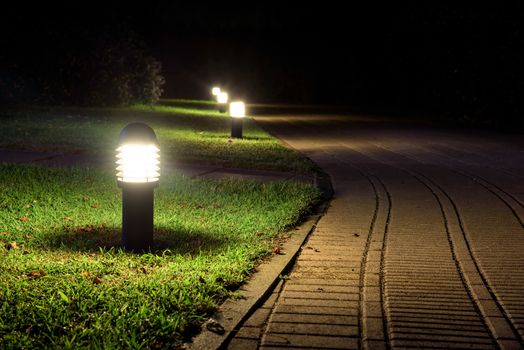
[137,216]
[137,175]
[237,111]
[236,127]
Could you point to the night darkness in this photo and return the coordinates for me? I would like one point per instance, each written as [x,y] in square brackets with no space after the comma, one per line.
[431,56]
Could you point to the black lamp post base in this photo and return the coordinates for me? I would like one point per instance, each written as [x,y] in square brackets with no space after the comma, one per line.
[236,128]
[137,216]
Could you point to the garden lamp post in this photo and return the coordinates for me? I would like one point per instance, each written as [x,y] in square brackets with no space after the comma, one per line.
[222,98]
[215,91]
[237,111]
[137,175]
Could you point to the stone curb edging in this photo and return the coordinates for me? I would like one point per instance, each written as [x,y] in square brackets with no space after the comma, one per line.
[233,312]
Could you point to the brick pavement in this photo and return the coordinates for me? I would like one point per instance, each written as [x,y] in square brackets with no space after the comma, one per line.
[420,248]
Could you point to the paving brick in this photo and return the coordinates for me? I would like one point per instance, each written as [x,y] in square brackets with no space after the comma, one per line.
[318,302]
[313,329]
[370,344]
[259,318]
[324,310]
[322,281]
[415,330]
[313,268]
[414,316]
[372,309]
[429,323]
[508,344]
[316,319]
[371,293]
[480,292]
[243,344]
[321,295]
[322,288]
[353,265]
[374,255]
[325,275]
[371,279]
[489,308]
[442,344]
[372,328]
[500,328]
[310,341]
[247,332]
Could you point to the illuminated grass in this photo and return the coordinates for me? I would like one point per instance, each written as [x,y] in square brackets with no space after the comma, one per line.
[188,131]
[65,283]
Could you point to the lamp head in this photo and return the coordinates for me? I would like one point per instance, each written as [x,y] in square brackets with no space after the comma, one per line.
[222,97]
[237,109]
[215,90]
[138,154]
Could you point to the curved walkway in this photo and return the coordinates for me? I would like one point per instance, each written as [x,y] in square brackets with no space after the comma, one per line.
[421,247]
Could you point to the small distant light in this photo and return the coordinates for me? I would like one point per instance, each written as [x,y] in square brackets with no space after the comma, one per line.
[222,97]
[237,109]
[215,91]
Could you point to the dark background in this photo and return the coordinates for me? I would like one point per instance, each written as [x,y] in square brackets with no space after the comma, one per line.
[463,60]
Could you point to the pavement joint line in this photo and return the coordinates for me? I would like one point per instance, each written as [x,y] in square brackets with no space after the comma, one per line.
[233,313]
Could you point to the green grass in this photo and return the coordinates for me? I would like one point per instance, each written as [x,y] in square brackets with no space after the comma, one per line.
[65,283]
[188,131]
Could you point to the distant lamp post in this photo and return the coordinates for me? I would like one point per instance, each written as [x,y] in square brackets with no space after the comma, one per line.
[237,111]
[215,91]
[222,98]
[137,175]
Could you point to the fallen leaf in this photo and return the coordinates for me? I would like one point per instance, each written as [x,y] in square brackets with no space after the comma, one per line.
[24,219]
[67,218]
[36,274]
[278,251]
[97,280]
[5,233]
[95,205]
[215,327]
[143,270]
[85,274]
[11,245]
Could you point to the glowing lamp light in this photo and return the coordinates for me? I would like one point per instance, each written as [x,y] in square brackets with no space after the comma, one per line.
[138,163]
[237,111]
[222,98]
[215,91]
[137,174]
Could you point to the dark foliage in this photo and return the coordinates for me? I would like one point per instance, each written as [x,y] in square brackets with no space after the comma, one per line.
[80,63]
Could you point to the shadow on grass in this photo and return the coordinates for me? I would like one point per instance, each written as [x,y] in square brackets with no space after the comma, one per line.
[92,238]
